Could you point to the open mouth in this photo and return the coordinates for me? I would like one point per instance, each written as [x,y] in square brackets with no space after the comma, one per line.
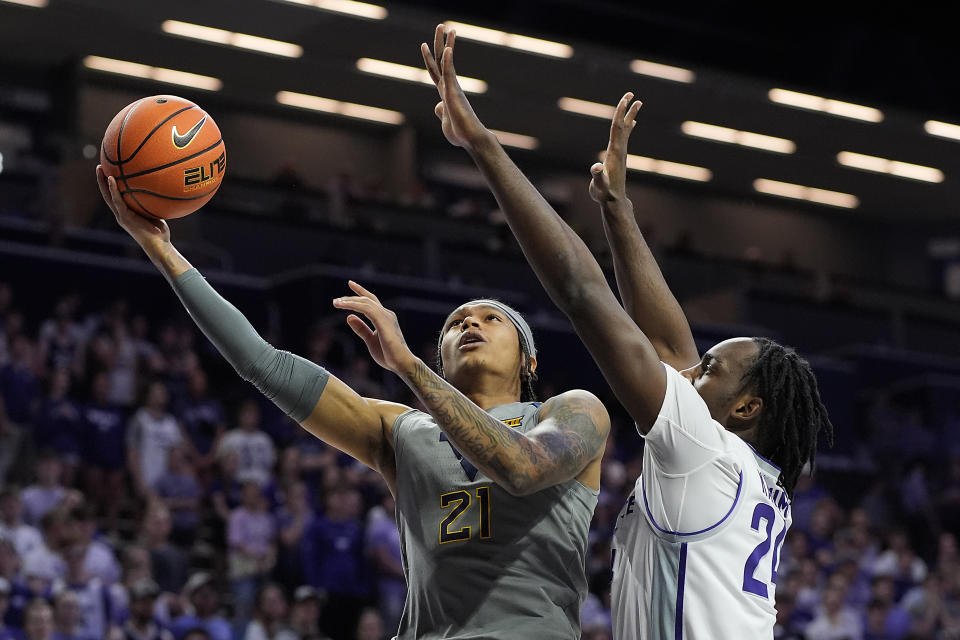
[470,338]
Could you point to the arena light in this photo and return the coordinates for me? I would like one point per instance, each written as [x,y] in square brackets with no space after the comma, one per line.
[826,105]
[159,74]
[338,107]
[413,74]
[517,140]
[662,71]
[666,168]
[36,4]
[942,129]
[891,167]
[511,40]
[232,39]
[734,136]
[810,194]
[346,7]
[587,108]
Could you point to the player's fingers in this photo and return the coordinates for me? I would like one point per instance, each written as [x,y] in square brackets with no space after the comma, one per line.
[362,329]
[102,184]
[621,109]
[430,63]
[438,43]
[119,206]
[451,38]
[446,67]
[596,169]
[439,110]
[631,118]
[363,291]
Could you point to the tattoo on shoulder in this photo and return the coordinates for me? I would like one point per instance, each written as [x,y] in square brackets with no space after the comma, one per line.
[581,431]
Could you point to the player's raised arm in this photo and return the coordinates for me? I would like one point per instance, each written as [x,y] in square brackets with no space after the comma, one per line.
[645,294]
[563,263]
[321,403]
[565,444]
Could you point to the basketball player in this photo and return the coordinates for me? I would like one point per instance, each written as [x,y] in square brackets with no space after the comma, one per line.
[494,492]
[696,546]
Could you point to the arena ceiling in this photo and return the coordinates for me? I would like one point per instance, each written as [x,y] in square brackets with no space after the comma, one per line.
[888,63]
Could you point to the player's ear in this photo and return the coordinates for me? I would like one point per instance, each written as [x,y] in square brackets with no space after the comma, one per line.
[747,408]
[533,363]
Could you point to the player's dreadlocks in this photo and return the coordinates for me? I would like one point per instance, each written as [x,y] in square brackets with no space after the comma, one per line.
[527,375]
[793,413]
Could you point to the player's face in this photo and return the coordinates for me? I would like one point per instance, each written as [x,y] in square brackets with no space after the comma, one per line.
[480,338]
[719,374]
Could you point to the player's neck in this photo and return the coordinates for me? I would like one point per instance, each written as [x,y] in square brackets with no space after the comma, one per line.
[487,401]
[491,393]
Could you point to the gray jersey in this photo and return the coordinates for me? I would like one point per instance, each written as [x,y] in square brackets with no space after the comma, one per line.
[479,562]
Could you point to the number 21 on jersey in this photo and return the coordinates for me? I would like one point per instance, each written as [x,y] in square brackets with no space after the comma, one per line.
[764,517]
[458,502]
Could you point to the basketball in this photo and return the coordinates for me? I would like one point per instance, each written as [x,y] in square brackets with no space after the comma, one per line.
[166,154]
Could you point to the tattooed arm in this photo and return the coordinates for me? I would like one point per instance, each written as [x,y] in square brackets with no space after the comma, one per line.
[567,443]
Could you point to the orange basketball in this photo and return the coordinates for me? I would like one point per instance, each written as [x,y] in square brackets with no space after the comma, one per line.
[166,154]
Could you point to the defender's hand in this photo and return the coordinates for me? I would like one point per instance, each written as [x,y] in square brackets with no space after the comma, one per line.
[610,176]
[461,126]
[385,341]
[147,232]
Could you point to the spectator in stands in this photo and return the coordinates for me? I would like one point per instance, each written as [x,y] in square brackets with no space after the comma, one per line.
[835,620]
[6,633]
[103,427]
[147,353]
[179,490]
[44,561]
[19,593]
[151,434]
[383,550]
[369,625]
[305,614]
[61,339]
[40,498]
[204,599]
[136,570]
[900,562]
[67,620]
[253,446]
[24,537]
[15,447]
[57,423]
[333,560]
[19,384]
[885,618]
[196,634]
[203,421]
[168,563]
[38,620]
[91,598]
[293,520]
[226,491]
[251,537]
[124,362]
[99,559]
[270,620]
[141,624]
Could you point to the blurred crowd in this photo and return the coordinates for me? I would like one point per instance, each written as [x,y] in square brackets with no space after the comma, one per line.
[141,501]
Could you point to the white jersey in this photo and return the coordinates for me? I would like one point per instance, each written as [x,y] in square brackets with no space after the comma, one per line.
[696,548]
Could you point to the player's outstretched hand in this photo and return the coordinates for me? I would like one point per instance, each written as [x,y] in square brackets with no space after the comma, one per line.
[385,341]
[610,176]
[145,231]
[461,126]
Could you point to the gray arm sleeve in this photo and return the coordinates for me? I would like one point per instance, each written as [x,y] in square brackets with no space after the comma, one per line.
[289,381]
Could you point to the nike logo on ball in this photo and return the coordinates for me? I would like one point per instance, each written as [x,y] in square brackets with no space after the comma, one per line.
[181,141]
